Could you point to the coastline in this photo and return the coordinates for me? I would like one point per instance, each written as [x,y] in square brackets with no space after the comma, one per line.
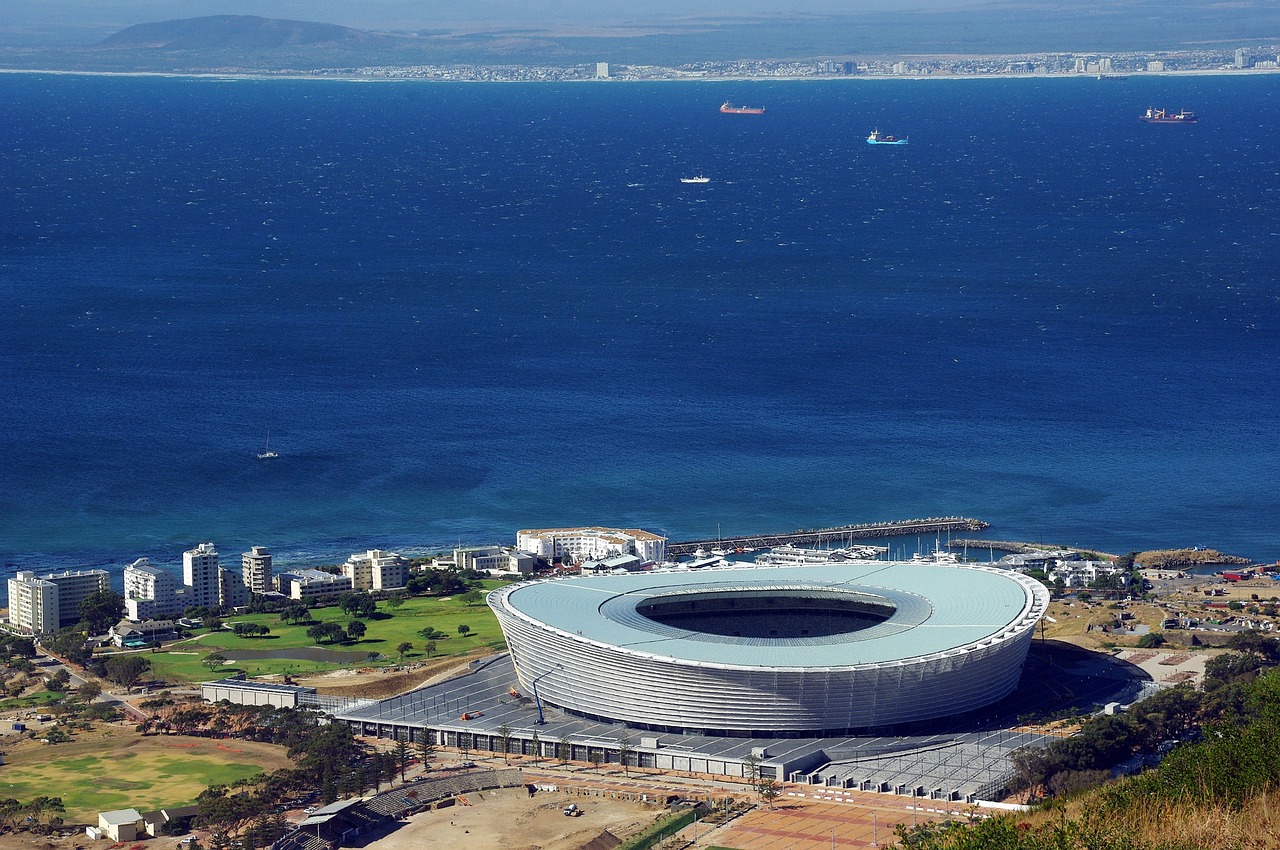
[866,78]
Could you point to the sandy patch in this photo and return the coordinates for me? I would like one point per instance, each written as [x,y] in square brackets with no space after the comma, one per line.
[509,819]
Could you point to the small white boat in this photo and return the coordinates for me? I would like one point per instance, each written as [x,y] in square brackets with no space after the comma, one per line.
[266,453]
[698,179]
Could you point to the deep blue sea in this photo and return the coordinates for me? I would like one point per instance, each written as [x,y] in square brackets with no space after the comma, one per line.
[463,309]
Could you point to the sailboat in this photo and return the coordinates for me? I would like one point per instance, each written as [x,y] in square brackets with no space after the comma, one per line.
[266,453]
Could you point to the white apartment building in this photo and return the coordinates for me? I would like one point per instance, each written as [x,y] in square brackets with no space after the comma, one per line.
[150,593]
[493,559]
[42,604]
[376,570]
[200,574]
[312,584]
[255,569]
[592,543]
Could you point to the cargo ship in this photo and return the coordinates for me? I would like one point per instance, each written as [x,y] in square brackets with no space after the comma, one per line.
[878,138]
[729,109]
[1160,116]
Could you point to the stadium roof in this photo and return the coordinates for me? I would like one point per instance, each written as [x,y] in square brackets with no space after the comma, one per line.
[939,609]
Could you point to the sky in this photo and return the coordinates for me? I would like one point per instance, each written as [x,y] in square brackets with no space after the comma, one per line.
[111,15]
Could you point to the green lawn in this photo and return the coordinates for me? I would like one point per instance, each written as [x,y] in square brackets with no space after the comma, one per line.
[32,700]
[183,661]
[97,773]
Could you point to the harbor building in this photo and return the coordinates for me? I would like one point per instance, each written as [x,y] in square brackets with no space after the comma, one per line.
[43,604]
[151,593]
[200,574]
[312,584]
[376,570]
[593,543]
[255,570]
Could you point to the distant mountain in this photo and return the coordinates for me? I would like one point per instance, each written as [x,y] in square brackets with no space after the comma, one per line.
[229,32]
[1003,27]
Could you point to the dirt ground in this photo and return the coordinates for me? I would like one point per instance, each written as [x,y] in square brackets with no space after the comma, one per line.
[509,819]
[794,824]
[373,683]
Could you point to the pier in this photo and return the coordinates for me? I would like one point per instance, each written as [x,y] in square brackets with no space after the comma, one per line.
[819,537]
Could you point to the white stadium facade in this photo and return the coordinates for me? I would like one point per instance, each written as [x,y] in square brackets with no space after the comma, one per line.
[807,650]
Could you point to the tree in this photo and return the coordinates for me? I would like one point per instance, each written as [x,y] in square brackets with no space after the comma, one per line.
[395,600]
[89,691]
[472,598]
[425,749]
[504,735]
[350,603]
[563,749]
[595,757]
[430,648]
[464,629]
[768,790]
[331,632]
[402,755]
[624,754]
[214,660]
[1151,640]
[751,769]
[127,670]
[537,746]
[296,613]
[101,610]
[402,648]
[356,630]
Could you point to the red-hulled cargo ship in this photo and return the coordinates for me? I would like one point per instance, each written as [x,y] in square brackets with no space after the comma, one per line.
[729,109]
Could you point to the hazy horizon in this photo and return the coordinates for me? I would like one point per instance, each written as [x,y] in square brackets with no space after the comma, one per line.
[408,14]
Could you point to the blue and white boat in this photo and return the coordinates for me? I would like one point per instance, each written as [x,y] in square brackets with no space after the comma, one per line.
[878,138]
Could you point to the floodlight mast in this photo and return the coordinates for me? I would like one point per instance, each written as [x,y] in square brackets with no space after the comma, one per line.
[537,701]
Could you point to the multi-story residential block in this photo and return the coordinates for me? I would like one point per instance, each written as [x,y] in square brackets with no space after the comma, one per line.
[232,592]
[200,574]
[376,570]
[42,604]
[312,584]
[150,593]
[255,568]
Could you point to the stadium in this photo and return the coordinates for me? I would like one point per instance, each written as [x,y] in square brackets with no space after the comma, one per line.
[808,650]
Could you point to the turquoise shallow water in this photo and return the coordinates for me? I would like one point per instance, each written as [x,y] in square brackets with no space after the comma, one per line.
[466,309]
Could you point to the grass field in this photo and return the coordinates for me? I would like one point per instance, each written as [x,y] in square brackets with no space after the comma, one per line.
[182,662]
[120,769]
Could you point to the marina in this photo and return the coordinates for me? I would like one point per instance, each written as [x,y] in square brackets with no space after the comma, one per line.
[824,536]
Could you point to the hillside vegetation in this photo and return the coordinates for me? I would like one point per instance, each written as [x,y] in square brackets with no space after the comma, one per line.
[1217,791]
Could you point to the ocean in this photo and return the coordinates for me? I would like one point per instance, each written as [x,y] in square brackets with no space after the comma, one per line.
[463,309]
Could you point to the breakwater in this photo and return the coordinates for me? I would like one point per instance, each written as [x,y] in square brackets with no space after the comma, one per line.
[818,537]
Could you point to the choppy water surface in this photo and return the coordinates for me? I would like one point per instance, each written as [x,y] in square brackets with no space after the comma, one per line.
[465,309]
